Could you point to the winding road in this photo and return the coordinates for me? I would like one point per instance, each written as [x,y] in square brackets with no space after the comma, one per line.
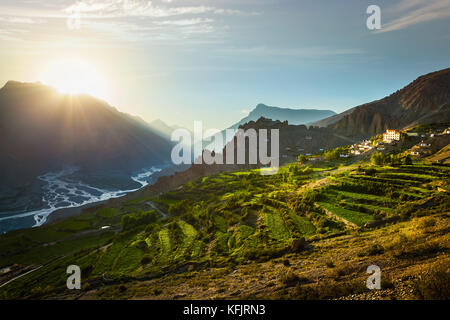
[151,204]
[19,276]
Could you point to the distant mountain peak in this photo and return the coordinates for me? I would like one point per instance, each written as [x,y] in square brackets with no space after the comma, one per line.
[13,84]
[163,128]
[293,116]
[261,106]
[43,129]
[264,107]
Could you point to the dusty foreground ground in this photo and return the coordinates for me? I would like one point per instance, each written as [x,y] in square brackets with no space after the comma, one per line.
[413,257]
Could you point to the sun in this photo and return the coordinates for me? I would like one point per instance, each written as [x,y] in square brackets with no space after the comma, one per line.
[71,76]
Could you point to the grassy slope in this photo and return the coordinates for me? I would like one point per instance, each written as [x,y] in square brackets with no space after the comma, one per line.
[220,221]
[332,269]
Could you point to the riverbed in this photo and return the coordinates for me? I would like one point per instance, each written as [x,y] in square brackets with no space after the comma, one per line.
[66,189]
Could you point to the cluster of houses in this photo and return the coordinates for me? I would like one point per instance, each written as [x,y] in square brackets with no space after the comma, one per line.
[362,147]
[431,134]
[421,149]
[390,136]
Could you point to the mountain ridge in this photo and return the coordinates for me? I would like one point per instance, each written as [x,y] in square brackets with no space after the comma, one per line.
[293,116]
[43,130]
[424,100]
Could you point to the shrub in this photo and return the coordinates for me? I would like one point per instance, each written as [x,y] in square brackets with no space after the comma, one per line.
[427,222]
[333,154]
[329,264]
[307,170]
[302,158]
[370,171]
[377,158]
[375,249]
[132,220]
[157,292]
[122,288]
[146,259]
[179,207]
[329,290]
[434,284]
[386,282]
[141,244]
[342,271]
[407,160]
[289,278]
[406,210]
[409,248]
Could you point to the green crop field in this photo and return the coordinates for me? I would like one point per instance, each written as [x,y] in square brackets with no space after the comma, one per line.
[165,245]
[274,221]
[355,217]
[224,219]
[188,236]
[303,225]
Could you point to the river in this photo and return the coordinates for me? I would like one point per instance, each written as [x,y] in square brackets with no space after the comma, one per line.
[61,191]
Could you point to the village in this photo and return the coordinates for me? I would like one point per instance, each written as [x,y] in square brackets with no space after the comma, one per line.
[416,142]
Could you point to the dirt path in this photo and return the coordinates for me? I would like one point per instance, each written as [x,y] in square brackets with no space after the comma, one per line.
[151,204]
[19,276]
[315,184]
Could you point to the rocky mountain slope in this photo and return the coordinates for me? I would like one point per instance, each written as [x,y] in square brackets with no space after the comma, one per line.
[425,100]
[43,130]
[293,141]
[293,116]
[162,128]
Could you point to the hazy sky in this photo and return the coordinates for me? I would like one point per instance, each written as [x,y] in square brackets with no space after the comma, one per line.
[213,60]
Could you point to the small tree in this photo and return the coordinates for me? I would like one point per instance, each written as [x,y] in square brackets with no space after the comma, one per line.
[302,158]
[377,158]
[332,154]
[407,160]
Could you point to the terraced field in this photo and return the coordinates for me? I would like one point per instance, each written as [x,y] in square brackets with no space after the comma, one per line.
[274,221]
[360,198]
[165,245]
[354,217]
[304,226]
[228,218]
[188,234]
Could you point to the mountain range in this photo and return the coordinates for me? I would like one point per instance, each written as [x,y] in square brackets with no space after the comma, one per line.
[43,130]
[423,101]
[293,116]
[163,129]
